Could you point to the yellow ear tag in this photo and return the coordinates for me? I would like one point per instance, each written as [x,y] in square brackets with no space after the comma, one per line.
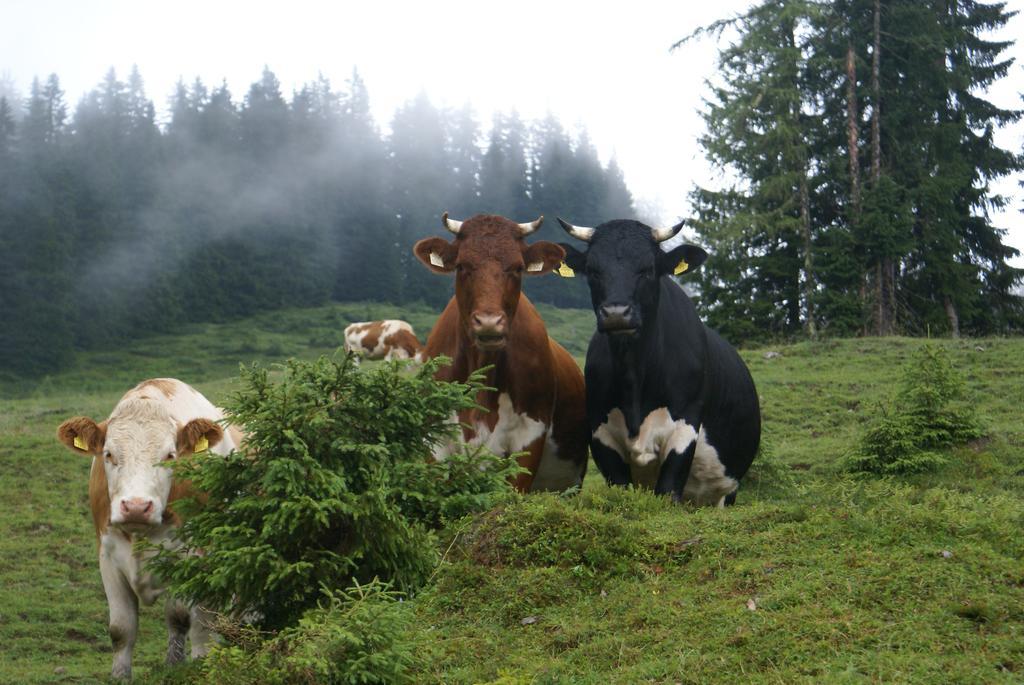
[564,271]
[80,444]
[683,266]
[202,444]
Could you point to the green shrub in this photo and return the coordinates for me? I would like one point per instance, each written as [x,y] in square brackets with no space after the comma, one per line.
[363,635]
[934,396]
[334,484]
[890,446]
[930,411]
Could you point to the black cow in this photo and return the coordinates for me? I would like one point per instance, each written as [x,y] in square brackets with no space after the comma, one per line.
[670,404]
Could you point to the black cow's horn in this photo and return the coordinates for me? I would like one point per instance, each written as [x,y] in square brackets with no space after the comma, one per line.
[584,233]
[528,228]
[663,234]
[453,226]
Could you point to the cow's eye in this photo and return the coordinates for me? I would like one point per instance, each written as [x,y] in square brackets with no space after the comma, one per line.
[169,457]
[109,458]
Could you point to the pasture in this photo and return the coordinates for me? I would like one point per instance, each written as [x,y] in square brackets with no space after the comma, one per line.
[814,576]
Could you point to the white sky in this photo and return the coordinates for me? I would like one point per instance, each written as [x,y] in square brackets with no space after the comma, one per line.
[602,65]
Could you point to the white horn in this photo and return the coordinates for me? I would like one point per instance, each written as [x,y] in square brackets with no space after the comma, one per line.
[453,226]
[663,234]
[584,233]
[528,228]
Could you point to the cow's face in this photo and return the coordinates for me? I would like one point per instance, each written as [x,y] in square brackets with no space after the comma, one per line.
[137,445]
[489,258]
[623,265]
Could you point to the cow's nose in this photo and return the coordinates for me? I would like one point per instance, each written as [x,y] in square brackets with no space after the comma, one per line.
[617,317]
[136,508]
[489,323]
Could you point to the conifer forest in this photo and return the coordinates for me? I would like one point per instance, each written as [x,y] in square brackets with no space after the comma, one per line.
[855,136]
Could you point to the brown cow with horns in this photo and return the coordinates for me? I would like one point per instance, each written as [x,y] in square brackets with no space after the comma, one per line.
[538,405]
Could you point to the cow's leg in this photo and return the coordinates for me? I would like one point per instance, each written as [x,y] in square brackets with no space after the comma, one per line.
[681,446]
[611,464]
[199,633]
[675,471]
[730,499]
[124,617]
[177,615]
[531,462]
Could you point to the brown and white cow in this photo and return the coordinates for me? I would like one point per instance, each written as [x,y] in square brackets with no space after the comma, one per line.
[538,404]
[130,488]
[388,339]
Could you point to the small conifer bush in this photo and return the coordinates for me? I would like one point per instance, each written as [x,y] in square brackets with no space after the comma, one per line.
[333,486]
[933,395]
[360,635]
[930,411]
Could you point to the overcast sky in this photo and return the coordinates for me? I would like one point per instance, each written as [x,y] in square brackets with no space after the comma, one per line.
[608,69]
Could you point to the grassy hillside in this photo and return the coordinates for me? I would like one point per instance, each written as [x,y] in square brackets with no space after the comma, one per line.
[813,577]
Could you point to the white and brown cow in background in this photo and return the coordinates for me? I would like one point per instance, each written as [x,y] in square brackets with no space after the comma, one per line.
[388,339]
[130,488]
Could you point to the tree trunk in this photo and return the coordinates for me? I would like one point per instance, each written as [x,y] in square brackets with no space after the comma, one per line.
[804,198]
[879,300]
[888,323]
[954,318]
[885,289]
[853,153]
[876,97]
[805,226]
[852,133]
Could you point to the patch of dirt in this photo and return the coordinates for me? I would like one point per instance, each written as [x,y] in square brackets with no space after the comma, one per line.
[979,444]
[480,543]
[79,636]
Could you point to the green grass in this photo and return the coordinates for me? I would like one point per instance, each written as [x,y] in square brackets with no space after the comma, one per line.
[847,576]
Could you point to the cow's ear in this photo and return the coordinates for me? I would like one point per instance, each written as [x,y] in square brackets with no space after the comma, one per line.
[83,435]
[542,257]
[437,254]
[680,260]
[575,261]
[198,435]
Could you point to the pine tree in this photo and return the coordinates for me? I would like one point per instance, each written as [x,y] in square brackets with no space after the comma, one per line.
[366,229]
[761,123]
[35,255]
[504,180]
[9,91]
[46,114]
[7,127]
[264,118]
[864,151]
[463,152]
[551,179]
[618,201]
[959,267]
[420,188]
